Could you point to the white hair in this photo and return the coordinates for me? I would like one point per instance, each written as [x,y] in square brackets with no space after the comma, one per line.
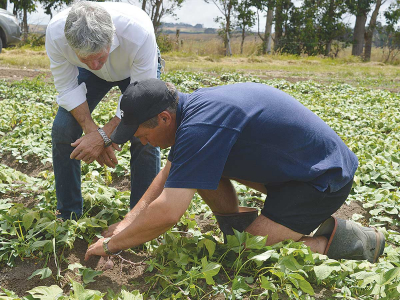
[89,28]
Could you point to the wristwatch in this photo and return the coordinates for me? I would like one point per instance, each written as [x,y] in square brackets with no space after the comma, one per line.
[105,247]
[106,139]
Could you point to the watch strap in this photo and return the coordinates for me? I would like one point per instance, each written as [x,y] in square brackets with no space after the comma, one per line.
[106,139]
[106,250]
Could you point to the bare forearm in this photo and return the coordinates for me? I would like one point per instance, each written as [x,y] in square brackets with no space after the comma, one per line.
[111,125]
[151,222]
[154,218]
[82,115]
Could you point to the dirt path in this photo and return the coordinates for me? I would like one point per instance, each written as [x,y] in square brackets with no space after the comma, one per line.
[10,73]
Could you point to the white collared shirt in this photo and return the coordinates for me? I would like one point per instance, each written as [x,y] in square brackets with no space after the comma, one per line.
[133,53]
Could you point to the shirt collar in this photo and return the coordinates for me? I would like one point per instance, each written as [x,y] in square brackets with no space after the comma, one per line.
[115,42]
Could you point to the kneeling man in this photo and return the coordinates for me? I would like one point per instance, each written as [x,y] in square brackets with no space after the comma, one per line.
[256,135]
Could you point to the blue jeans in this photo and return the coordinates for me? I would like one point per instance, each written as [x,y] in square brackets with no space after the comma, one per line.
[145,160]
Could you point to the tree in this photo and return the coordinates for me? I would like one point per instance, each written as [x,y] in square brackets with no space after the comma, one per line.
[310,28]
[50,5]
[330,25]
[370,31]
[281,17]
[245,17]
[22,8]
[359,8]
[3,4]
[392,30]
[226,7]
[157,9]
[266,39]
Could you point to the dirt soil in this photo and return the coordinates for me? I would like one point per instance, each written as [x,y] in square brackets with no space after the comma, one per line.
[128,270]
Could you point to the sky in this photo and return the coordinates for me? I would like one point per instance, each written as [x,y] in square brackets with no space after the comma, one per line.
[192,12]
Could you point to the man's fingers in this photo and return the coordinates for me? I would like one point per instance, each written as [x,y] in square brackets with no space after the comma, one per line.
[116,147]
[108,161]
[76,143]
[112,156]
[88,254]
[100,160]
[77,154]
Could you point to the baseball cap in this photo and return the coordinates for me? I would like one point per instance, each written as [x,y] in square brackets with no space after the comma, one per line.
[141,101]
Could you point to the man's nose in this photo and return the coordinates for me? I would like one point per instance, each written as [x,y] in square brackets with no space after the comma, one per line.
[94,65]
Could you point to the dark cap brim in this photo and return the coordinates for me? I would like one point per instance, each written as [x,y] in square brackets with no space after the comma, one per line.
[123,133]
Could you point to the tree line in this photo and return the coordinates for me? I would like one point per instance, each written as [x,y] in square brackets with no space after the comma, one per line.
[312,27]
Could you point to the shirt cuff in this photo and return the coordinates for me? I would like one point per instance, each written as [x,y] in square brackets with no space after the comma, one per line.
[73,98]
[118,113]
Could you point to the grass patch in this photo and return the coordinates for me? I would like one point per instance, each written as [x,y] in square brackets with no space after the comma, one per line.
[345,69]
[25,57]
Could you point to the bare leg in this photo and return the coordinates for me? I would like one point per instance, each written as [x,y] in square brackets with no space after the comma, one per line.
[254,185]
[223,200]
[276,233]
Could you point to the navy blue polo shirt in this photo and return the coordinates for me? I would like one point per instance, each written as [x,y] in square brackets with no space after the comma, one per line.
[257,133]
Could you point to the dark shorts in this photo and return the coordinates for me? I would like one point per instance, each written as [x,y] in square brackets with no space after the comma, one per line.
[300,206]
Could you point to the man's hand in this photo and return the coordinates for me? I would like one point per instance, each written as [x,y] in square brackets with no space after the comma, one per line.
[107,157]
[113,229]
[95,249]
[88,147]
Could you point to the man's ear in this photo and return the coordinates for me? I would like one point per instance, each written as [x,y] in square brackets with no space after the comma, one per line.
[164,117]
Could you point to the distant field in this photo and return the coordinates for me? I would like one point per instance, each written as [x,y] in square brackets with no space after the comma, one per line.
[203,53]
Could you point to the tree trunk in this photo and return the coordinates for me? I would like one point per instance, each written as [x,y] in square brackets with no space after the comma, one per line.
[3,4]
[228,45]
[25,25]
[328,48]
[370,31]
[268,31]
[144,5]
[157,15]
[358,35]
[278,23]
[243,37]
[227,29]
[331,16]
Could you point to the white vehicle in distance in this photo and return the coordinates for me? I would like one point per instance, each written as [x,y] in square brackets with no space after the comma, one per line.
[9,29]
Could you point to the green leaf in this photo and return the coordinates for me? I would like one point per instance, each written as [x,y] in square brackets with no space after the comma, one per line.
[80,293]
[210,245]
[4,205]
[390,275]
[263,256]
[256,242]
[46,246]
[45,272]
[89,274]
[209,269]
[74,266]
[239,284]
[323,271]
[306,287]
[46,293]
[267,284]
[291,263]
[134,295]
[28,218]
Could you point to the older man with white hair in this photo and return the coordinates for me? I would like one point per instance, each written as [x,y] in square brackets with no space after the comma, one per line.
[93,47]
